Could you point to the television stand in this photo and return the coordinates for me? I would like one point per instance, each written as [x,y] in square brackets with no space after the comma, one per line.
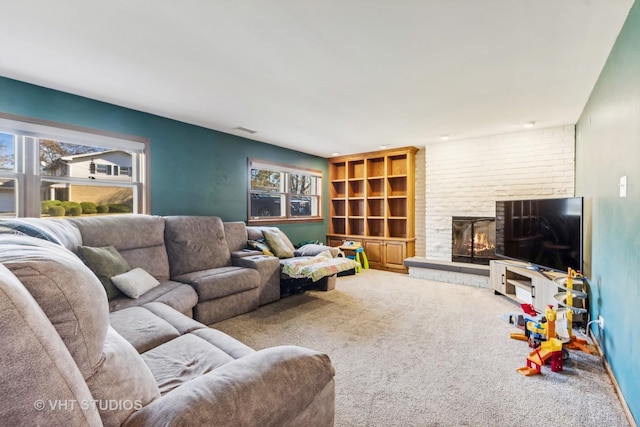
[522,283]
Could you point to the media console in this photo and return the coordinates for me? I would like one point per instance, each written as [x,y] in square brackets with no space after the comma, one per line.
[524,285]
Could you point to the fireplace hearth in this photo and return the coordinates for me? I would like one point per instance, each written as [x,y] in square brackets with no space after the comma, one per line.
[473,239]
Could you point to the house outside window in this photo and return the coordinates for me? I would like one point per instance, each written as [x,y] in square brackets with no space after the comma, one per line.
[46,169]
[280,193]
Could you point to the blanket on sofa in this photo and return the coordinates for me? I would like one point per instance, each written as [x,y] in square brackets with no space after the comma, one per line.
[316,267]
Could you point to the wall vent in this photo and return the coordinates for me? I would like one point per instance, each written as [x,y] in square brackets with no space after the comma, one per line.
[244,129]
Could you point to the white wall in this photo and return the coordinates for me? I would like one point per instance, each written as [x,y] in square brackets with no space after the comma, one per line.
[465,178]
[420,202]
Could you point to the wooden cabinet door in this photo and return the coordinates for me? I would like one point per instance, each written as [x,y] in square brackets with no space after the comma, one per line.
[374,249]
[394,255]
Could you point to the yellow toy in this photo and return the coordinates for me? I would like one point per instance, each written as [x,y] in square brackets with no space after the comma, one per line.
[565,299]
[548,350]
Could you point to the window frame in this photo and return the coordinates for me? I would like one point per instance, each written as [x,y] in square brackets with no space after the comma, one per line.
[285,170]
[29,131]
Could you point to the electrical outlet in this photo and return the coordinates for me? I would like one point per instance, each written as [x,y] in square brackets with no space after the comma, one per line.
[601,321]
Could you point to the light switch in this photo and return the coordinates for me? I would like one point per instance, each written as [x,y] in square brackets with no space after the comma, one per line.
[623,186]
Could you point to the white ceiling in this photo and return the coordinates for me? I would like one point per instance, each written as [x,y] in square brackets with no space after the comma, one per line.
[322,76]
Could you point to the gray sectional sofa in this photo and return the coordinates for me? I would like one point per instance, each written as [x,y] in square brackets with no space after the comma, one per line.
[72,357]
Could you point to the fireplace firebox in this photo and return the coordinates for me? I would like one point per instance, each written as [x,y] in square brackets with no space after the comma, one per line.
[473,239]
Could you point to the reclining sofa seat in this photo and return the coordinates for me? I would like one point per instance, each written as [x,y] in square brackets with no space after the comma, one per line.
[140,241]
[227,285]
[292,285]
[53,308]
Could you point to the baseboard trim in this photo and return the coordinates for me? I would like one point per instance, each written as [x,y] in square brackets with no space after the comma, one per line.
[625,407]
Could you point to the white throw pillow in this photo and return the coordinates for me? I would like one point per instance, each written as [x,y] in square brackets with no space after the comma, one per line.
[135,282]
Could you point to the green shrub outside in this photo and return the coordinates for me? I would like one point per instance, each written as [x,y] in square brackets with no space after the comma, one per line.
[69,205]
[56,210]
[88,207]
[119,208]
[46,204]
[74,211]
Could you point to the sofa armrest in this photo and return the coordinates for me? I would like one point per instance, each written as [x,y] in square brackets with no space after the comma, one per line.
[270,387]
[269,269]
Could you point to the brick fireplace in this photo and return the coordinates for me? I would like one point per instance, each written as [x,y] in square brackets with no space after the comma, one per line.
[466,177]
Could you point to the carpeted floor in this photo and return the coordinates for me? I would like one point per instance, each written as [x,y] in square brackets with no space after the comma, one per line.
[412,352]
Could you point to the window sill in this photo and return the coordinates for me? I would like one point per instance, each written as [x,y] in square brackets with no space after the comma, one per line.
[279,220]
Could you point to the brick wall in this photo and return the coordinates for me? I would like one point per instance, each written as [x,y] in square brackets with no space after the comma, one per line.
[466,177]
[420,206]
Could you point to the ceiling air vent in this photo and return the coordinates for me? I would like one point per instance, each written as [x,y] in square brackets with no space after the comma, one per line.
[244,129]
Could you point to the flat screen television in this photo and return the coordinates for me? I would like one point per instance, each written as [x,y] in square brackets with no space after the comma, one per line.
[543,232]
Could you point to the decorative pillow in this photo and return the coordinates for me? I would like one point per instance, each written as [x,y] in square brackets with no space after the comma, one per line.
[285,239]
[261,246]
[105,262]
[135,282]
[313,249]
[277,244]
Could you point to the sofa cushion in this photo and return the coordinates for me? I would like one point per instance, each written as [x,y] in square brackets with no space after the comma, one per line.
[183,359]
[221,282]
[224,342]
[142,328]
[179,296]
[135,282]
[105,262]
[195,243]
[236,234]
[68,292]
[179,321]
[138,238]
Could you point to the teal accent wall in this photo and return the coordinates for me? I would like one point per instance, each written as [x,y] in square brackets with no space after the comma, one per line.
[194,171]
[607,148]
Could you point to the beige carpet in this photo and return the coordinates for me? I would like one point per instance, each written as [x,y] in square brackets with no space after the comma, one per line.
[412,352]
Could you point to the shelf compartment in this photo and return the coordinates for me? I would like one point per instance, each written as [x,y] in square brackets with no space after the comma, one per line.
[356,207]
[338,189]
[397,186]
[375,167]
[376,227]
[397,165]
[375,207]
[356,169]
[397,228]
[398,207]
[338,170]
[338,208]
[356,226]
[338,225]
[375,187]
[356,188]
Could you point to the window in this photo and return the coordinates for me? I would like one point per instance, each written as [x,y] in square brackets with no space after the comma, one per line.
[281,192]
[48,169]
